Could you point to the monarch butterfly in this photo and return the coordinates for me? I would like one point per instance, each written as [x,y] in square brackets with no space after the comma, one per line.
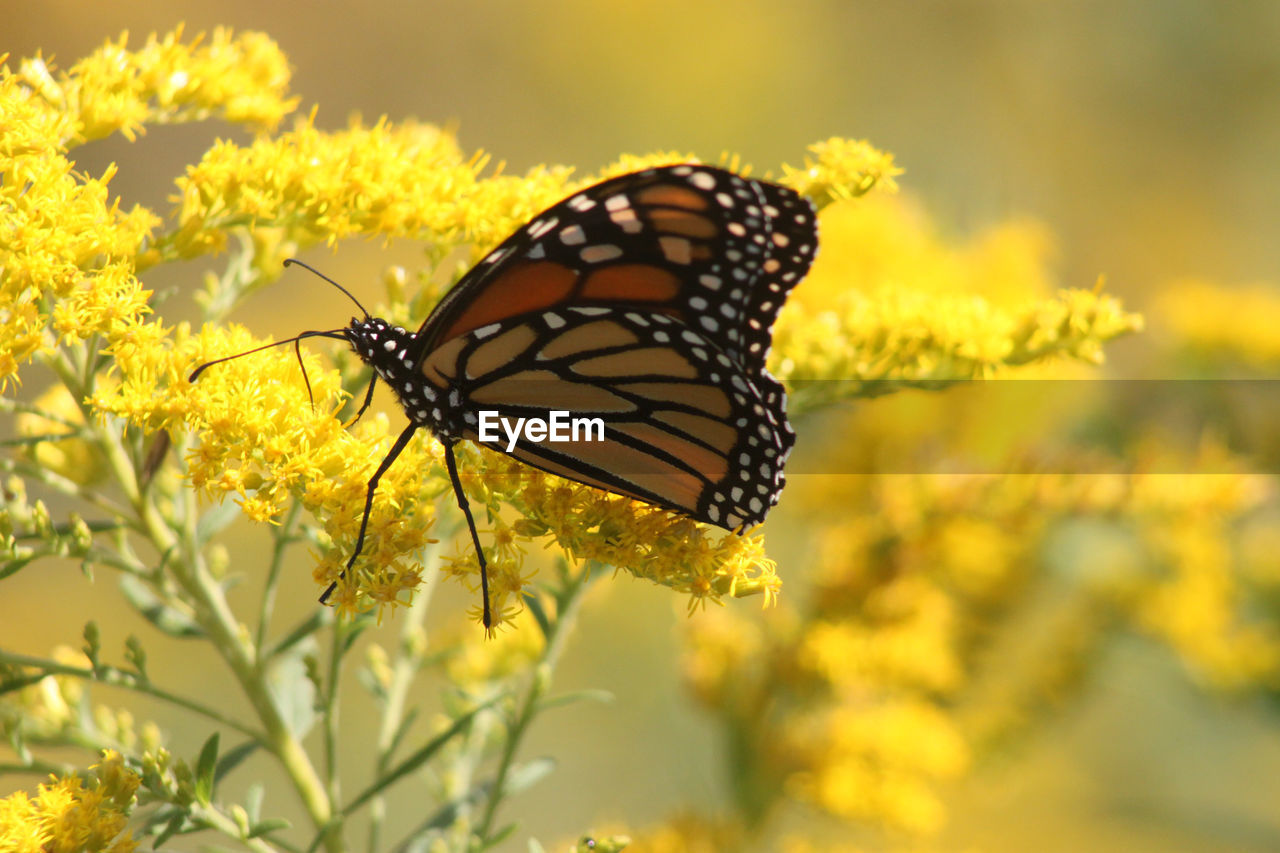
[646,301]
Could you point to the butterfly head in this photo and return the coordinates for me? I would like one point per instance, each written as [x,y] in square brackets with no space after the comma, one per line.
[384,347]
[392,352]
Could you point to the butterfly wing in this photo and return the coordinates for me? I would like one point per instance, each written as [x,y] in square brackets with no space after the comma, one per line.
[709,248]
[682,425]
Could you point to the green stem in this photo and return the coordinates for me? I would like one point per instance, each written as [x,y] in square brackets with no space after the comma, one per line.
[12,406]
[63,485]
[43,769]
[113,677]
[216,820]
[330,712]
[407,661]
[568,600]
[212,611]
[284,537]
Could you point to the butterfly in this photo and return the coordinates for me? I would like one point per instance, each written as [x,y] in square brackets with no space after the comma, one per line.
[645,303]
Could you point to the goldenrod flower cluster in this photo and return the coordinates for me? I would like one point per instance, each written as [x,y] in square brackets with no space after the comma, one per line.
[1222,324]
[69,250]
[73,815]
[889,306]
[948,612]
[909,655]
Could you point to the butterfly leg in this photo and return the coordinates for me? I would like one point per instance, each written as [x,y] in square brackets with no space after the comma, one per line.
[396,448]
[465,506]
[368,398]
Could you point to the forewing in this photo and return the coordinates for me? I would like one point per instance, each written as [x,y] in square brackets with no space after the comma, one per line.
[713,250]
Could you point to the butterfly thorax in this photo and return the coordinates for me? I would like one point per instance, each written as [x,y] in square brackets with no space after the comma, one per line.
[392,352]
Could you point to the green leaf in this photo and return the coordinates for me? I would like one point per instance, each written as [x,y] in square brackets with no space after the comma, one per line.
[294,693]
[11,685]
[168,619]
[172,829]
[253,801]
[206,767]
[232,759]
[353,629]
[526,775]
[15,566]
[534,606]
[136,655]
[215,520]
[401,730]
[422,756]
[320,617]
[267,826]
[92,644]
[501,835]
[604,697]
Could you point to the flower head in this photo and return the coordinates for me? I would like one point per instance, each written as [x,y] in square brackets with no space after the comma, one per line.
[69,814]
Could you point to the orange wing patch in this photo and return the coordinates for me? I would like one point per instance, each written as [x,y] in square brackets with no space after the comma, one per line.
[523,288]
[542,389]
[632,282]
[708,463]
[683,222]
[442,363]
[646,360]
[650,477]
[500,351]
[718,434]
[704,398]
[589,337]
[672,195]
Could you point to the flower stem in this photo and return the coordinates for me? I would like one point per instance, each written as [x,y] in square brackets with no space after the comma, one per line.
[568,600]
[187,566]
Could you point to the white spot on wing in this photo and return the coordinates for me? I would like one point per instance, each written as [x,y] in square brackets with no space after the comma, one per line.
[703,181]
[599,253]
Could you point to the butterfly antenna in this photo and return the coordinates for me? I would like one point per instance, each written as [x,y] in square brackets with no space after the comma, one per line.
[292,261]
[336,334]
[297,352]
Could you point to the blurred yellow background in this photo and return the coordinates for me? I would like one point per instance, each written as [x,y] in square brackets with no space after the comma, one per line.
[1143,134]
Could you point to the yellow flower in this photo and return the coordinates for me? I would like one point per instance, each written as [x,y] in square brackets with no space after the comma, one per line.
[842,169]
[876,763]
[69,816]
[66,241]
[687,833]
[889,306]
[241,78]
[506,654]
[1235,323]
